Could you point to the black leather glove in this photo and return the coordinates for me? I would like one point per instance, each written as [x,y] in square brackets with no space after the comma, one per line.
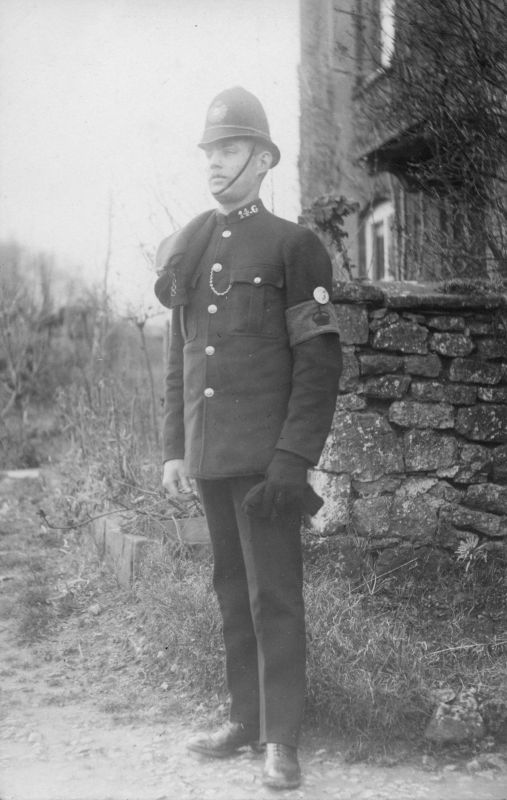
[285,489]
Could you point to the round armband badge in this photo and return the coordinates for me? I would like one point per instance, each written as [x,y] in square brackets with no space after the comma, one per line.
[321,295]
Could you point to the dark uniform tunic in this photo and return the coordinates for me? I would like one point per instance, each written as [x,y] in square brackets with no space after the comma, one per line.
[231,394]
[253,367]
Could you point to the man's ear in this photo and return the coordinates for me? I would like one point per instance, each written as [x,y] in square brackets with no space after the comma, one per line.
[264,161]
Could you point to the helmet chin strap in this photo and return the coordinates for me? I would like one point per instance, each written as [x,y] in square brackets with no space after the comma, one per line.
[240,173]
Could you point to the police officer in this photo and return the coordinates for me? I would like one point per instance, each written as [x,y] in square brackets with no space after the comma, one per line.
[253,367]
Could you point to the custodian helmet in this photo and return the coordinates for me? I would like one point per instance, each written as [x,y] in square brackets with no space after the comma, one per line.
[236,112]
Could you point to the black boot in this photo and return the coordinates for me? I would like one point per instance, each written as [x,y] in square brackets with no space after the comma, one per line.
[225,741]
[281,769]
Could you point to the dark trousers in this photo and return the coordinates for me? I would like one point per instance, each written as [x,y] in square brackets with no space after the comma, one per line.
[258,581]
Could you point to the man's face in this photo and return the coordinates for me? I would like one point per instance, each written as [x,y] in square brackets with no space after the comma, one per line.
[225,159]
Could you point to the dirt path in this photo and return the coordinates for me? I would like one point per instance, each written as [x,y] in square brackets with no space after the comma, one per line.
[80,721]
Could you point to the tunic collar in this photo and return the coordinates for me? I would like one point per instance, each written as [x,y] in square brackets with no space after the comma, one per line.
[241,214]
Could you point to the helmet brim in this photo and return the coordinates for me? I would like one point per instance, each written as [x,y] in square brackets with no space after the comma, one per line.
[221,132]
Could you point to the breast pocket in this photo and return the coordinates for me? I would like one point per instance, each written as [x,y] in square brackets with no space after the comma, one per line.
[256,301]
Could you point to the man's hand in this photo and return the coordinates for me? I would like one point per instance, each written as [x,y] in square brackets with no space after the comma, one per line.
[175,479]
[285,489]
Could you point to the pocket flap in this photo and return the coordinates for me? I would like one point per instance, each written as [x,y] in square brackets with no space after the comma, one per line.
[259,275]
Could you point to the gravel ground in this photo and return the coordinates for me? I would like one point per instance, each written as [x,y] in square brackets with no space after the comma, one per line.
[79,720]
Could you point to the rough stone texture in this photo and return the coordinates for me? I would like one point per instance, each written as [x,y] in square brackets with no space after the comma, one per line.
[500,464]
[428,450]
[362,445]
[371,516]
[492,348]
[457,721]
[383,322]
[352,292]
[370,488]
[427,366]
[379,364]
[437,392]
[446,323]
[413,518]
[473,465]
[335,491]
[492,394]
[353,324]
[419,437]
[469,519]
[350,402]
[408,414]
[350,370]
[387,387]
[472,370]
[488,497]
[483,423]
[406,337]
[451,344]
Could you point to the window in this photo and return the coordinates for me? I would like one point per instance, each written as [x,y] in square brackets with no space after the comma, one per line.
[387,29]
[378,241]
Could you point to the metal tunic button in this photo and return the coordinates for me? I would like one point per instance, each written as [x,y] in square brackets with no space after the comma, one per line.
[217,267]
[209,392]
[226,234]
[210,350]
[257,280]
[212,309]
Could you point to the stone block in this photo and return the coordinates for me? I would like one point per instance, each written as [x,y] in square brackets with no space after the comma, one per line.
[371,516]
[480,327]
[355,292]
[474,464]
[456,722]
[335,491]
[362,445]
[487,497]
[469,519]
[492,348]
[486,423]
[427,366]
[379,364]
[372,488]
[350,370]
[413,518]
[124,552]
[416,485]
[445,492]
[387,387]
[406,337]
[451,344]
[381,322]
[410,414]
[446,323]
[492,394]
[352,323]
[473,370]
[499,457]
[428,450]
[436,392]
[350,402]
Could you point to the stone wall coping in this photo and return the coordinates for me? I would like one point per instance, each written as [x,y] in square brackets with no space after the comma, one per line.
[414,295]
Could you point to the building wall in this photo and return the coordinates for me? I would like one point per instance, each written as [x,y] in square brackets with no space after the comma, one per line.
[416,461]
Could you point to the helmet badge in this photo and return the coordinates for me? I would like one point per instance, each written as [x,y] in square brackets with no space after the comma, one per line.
[217,113]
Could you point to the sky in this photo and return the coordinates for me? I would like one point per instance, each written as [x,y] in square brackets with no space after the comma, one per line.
[102,103]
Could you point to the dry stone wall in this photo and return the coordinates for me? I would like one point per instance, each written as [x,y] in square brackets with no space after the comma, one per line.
[416,460]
